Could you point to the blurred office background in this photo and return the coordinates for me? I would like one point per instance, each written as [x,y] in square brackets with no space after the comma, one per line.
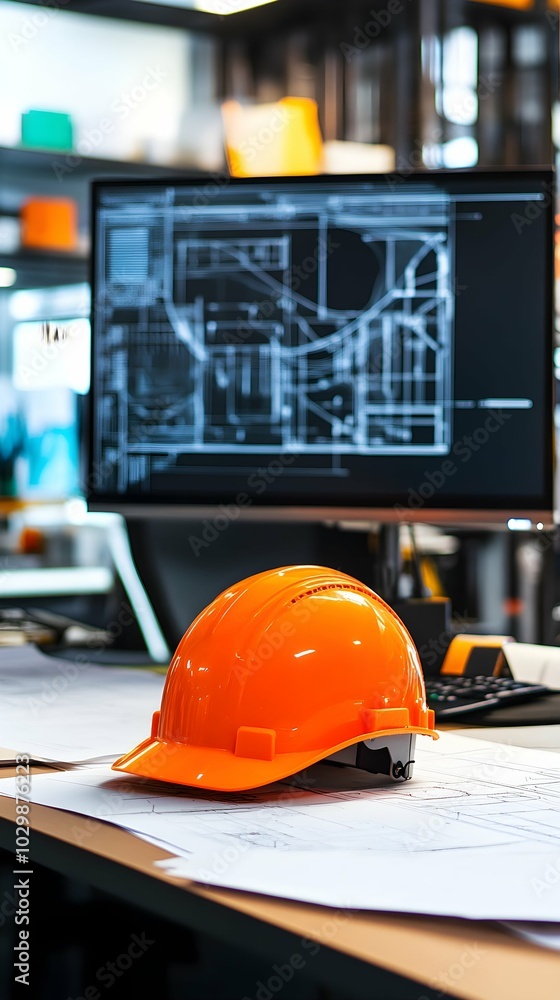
[128,88]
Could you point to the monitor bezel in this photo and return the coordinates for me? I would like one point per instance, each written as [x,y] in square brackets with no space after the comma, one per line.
[481,511]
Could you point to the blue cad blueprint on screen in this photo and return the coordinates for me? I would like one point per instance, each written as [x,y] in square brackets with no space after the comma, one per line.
[306,318]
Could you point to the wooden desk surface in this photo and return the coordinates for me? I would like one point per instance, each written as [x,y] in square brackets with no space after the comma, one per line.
[477,961]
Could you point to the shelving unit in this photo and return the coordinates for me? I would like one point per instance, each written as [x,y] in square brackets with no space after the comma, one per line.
[37,163]
[24,172]
[381,94]
[36,269]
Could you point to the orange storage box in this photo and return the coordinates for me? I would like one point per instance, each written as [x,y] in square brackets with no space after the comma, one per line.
[49,224]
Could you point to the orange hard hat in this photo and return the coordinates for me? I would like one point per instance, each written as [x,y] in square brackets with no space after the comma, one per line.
[282,670]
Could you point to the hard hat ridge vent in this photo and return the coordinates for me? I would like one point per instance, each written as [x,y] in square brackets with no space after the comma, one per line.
[330,586]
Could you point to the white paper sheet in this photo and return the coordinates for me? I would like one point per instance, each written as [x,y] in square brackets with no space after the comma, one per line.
[536,737]
[533,663]
[476,833]
[63,711]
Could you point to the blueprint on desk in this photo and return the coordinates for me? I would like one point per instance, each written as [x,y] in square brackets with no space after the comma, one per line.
[475,833]
[62,711]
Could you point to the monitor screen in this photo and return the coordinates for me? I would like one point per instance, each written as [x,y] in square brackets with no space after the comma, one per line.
[324,346]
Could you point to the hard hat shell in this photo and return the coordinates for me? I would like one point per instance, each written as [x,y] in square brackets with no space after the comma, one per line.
[278,672]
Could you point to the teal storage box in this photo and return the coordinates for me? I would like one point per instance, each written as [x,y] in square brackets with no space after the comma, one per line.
[46,130]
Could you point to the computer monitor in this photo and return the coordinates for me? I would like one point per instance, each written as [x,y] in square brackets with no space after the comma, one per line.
[324,347]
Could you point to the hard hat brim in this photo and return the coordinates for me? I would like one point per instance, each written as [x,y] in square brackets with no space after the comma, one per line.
[223,771]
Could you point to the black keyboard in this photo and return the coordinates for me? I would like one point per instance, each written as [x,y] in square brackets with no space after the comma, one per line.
[451,695]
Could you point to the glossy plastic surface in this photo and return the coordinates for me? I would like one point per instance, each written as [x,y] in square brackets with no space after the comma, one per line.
[279,671]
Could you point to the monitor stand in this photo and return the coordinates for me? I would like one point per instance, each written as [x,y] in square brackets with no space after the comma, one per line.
[427,619]
[389,563]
